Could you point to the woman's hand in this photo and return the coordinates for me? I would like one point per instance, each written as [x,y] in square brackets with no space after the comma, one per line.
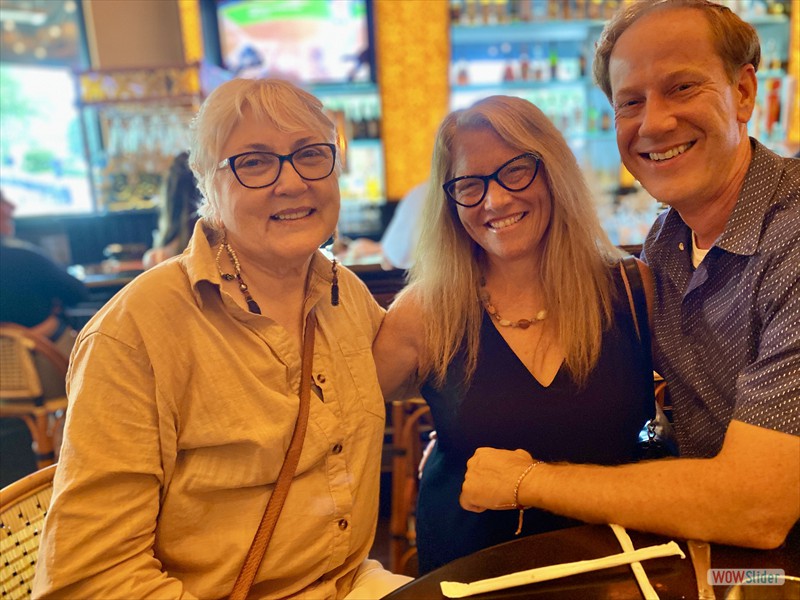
[491,475]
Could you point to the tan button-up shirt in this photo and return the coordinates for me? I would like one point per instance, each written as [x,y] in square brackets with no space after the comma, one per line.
[182,406]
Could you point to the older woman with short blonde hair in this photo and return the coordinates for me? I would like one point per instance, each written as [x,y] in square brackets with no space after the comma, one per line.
[186,387]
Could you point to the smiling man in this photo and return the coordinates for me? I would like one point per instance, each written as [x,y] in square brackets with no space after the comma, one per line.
[681,76]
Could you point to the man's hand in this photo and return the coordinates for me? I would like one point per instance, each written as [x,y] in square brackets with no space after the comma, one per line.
[491,475]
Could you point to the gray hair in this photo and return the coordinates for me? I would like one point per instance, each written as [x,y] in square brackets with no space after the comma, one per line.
[282,103]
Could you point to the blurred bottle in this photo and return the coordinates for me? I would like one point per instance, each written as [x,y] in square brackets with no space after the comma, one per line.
[487,13]
[470,15]
[502,11]
[524,12]
[373,121]
[456,10]
[773,105]
[524,64]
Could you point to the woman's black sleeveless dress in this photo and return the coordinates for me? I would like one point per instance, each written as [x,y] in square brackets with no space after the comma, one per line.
[506,407]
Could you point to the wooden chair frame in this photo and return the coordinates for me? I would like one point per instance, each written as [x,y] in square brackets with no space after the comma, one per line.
[41,415]
[410,421]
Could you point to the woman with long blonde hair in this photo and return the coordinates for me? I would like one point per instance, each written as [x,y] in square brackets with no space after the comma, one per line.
[515,322]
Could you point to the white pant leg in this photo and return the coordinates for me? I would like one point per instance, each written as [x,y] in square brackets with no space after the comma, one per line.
[372,581]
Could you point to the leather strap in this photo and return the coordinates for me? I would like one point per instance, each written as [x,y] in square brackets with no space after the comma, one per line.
[637,300]
[267,526]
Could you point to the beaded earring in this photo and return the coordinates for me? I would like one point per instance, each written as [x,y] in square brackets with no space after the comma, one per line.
[335,283]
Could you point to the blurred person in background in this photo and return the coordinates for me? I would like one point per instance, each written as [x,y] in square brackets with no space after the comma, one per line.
[34,290]
[397,245]
[185,388]
[177,213]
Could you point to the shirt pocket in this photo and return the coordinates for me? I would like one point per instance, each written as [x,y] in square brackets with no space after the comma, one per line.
[363,377]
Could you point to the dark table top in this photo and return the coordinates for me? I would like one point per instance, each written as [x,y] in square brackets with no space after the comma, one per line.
[671,577]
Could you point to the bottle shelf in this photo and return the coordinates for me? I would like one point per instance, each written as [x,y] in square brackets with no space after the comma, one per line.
[515,33]
[521,85]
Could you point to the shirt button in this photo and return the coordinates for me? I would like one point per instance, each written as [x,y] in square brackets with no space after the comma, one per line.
[681,246]
[320,378]
[343,524]
[337,449]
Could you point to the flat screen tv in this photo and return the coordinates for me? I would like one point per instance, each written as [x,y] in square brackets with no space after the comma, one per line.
[313,42]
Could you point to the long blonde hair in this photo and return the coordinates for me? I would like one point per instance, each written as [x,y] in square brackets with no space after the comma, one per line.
[574,270]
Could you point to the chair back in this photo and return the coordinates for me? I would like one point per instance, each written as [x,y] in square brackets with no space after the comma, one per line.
[411,425]
[32,375]
[23,507]
[19,375]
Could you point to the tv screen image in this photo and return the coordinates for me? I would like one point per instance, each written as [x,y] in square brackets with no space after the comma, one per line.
[305,41]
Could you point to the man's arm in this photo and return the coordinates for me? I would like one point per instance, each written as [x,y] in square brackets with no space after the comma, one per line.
[748,495]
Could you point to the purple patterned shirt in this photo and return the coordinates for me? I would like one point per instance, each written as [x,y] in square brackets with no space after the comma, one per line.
[727,334]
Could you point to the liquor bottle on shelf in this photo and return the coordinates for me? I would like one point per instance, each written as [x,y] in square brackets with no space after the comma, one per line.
[553,62]
[470,15]
[524,64]
[539,10]
[554,9]
[508,71]
[540,66]
[524,12]
[357,119]
[502,11]
[373,121]
[773,111]
[456,8]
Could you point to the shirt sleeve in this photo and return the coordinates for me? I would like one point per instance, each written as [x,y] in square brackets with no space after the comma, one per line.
[100,530]
[767,390]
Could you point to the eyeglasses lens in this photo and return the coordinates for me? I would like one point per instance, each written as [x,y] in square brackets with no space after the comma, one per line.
[260,169]
[518,174]
[514,176]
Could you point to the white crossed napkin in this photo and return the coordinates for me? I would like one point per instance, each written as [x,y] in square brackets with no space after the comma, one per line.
[455,589]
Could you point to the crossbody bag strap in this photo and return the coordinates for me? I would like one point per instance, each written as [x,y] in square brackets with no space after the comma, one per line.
[267,526]
[634,286]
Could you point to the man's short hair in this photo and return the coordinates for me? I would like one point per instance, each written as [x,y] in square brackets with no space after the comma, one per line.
[736,42]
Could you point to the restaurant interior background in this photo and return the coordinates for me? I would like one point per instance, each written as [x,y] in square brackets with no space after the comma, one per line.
[97,95]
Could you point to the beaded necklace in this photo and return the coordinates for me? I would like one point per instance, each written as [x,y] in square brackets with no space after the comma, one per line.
[521,324]
[252,305]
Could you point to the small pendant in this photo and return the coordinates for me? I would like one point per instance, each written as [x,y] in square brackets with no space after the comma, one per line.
[253,306]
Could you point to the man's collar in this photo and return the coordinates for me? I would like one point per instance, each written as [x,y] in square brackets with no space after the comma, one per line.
[743,230]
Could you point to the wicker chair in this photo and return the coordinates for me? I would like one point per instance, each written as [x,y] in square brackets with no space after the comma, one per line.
[23,507]
[22,353]
[411,426]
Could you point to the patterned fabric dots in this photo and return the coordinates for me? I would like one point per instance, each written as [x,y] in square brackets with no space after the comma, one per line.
[727,334]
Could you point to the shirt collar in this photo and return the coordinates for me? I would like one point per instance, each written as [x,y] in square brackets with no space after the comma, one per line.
[199,263]
[743,229]
[746,223]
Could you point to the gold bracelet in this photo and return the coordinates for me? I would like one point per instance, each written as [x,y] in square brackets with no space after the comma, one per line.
[517,505]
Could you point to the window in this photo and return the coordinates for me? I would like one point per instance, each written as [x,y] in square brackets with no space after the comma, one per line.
[43,168]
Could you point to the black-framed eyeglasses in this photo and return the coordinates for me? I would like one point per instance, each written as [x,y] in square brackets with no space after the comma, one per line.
[514,175]
[261,169]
